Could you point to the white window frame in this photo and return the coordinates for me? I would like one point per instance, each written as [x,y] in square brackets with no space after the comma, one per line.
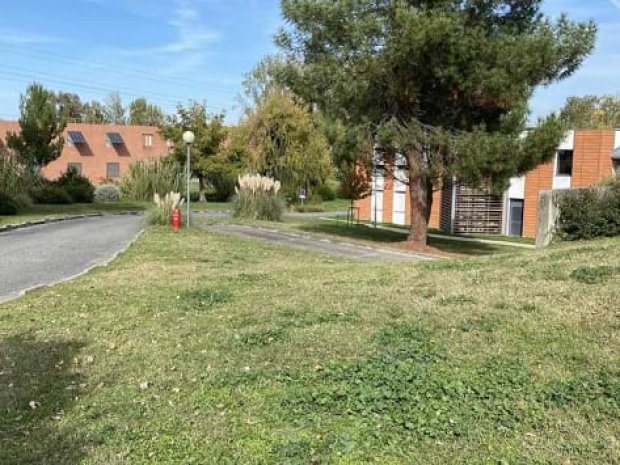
[147,140]
[107,170]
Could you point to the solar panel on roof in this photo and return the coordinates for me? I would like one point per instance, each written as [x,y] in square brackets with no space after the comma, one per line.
[76,137]
[115,138]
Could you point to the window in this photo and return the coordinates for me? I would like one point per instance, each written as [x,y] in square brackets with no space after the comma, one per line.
[616,167]
[565,163]
[75,166]
[76,138]
[148,140]
[113,170]
[115,138]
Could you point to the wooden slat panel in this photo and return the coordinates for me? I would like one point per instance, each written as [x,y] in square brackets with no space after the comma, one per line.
[478,212]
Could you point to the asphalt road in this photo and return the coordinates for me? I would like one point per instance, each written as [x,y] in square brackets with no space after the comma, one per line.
[51,253]
[313,243]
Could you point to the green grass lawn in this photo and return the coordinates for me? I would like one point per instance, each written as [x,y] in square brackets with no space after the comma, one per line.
[389,238]
[199,348]
[38,211]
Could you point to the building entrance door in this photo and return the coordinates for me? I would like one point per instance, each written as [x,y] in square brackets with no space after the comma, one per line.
[516,218]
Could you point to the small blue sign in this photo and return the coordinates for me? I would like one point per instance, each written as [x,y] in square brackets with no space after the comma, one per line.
[302,194]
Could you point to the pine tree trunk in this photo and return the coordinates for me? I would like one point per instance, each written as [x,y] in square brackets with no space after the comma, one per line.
[419,187]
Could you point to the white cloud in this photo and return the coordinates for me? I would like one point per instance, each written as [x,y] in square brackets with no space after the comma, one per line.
[192,35]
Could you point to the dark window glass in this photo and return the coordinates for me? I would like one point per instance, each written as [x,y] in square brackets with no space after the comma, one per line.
[565,163]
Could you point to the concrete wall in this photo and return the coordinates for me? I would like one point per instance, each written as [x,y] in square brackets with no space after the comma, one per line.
[548,215]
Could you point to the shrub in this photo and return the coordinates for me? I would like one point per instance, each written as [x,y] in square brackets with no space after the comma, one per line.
[51,194]
[161,213]
[146,178]
[8,206]
[79,187]
[590,213]
[23,201]
[80,193]
[329,190]
[222,184]
[107,193]
[15,180]
[258,198]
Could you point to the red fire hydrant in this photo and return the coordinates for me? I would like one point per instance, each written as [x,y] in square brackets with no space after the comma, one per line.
[176,219]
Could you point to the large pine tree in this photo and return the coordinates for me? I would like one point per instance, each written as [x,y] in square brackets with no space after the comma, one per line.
[446,82]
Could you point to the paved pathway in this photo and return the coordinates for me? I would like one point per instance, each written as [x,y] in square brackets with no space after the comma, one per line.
[350,250]
[51,253]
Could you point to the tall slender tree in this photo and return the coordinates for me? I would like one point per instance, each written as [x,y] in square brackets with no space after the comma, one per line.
[210,135]
[286,143]
[41,123]
[94,113]
[70,106]
[114,111]
[445,82]
[143,113]
[592,112]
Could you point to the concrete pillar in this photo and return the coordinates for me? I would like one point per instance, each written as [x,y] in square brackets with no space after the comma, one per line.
[547,220]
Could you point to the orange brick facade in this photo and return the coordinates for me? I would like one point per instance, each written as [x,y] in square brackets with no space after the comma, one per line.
[537,180]
[93,157]
[591,163]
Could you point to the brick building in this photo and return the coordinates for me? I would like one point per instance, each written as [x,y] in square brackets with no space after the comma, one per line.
[100,151]
[584,158]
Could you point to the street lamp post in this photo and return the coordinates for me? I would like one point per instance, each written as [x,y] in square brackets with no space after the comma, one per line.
[188,138]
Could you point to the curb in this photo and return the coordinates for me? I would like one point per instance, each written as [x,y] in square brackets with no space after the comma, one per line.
[28,224]
[100,264]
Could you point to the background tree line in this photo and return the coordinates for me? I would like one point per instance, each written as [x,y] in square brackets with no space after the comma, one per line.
[110,111]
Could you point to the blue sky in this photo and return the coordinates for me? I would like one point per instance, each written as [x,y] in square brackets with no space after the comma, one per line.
[175,50]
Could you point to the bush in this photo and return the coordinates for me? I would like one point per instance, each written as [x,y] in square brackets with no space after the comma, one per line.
[107,193]
[52,194]
[329,190]
[80,193]
[222,184]
[79,187]
[161,213]
[8,206]
[590,213]
[15,180]
[258,198]
[23,201]
[146,178]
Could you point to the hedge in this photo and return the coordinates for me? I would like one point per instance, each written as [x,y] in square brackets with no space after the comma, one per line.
[590,213]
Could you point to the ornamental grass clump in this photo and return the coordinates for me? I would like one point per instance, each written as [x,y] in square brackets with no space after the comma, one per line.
[148,177]
[162,212]
[258,198]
